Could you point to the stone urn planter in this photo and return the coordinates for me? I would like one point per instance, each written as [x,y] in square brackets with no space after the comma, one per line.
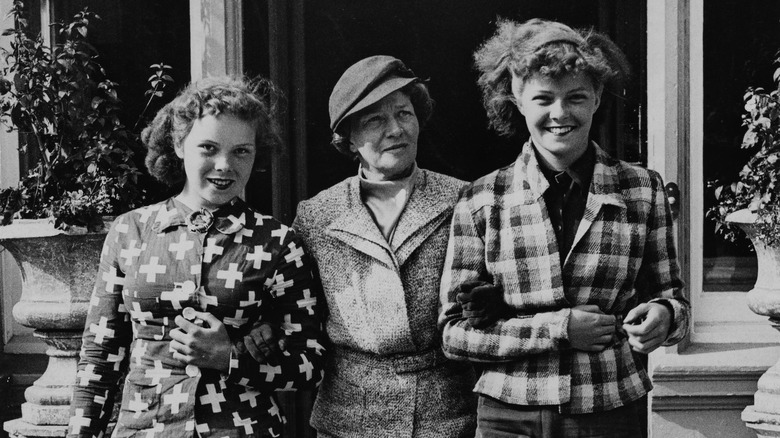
[763,416]
[58,274]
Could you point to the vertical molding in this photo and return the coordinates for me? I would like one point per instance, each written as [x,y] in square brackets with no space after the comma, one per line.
[298,112]
[668,106]
[216,41]
[279,72]
[10,281]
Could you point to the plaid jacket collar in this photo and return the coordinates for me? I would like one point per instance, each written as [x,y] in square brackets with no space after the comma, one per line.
[424,211]
[605,181]
[605,186]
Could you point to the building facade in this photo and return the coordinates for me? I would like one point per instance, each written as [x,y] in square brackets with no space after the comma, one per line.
[680,115]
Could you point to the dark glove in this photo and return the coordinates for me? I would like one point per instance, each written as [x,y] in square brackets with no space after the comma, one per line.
[482,303]
[265,342]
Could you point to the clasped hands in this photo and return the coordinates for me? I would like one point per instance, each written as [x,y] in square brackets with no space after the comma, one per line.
[204,342]
[590,329]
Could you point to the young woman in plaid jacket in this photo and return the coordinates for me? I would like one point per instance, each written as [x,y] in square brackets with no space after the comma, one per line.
[561,265]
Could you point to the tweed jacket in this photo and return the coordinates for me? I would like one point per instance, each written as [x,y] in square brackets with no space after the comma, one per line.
[623,254]
[385,374]
[244,267]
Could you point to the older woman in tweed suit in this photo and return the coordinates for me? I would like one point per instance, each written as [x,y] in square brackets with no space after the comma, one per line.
[379,239]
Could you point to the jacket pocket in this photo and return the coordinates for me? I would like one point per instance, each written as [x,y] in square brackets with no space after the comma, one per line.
[339,408]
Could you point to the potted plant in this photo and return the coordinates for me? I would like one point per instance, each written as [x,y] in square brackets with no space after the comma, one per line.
[67,115]
[755,197]
[66,111]
[752,204]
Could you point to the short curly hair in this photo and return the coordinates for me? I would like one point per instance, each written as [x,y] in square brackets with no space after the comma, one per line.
[423,107]
[514,48]
[257,101]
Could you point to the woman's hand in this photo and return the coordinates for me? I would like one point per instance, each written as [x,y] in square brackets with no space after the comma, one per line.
[482,303]
[206,346]
[590,329]
[265,342]
[647,326]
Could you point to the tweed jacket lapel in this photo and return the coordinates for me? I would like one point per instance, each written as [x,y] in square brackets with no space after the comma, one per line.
[425,211]
[356,228]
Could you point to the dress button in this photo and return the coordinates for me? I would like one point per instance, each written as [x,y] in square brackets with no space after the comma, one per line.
[188,287]
[192,370]
[188,313]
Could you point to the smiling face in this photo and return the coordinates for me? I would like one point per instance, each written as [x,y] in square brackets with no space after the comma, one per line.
[219,154]
[558,113]
[384,136]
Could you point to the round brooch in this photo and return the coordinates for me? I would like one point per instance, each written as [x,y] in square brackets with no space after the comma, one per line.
[199,221]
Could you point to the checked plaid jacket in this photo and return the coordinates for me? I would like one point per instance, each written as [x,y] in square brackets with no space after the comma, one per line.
[623,254]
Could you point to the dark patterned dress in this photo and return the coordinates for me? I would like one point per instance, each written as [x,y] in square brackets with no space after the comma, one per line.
[244,268]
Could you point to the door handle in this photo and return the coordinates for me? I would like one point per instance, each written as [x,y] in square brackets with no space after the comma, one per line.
[673,195]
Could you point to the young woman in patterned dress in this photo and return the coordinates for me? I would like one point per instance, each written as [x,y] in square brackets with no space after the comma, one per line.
[181,283]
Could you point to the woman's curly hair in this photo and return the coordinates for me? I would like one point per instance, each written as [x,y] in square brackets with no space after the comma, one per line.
[514,48]
[423,105]
[256,101]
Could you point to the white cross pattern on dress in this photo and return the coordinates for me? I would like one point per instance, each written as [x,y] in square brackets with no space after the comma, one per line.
[101,330]
[288,326]
[270,371]
[101,400]
[280,232]
[152,269]
[306,367]
[250,396]
[236,321]
[164,215]
[231,275]
[213,398]
[137,405]
[245,422]
[251,300]
[180,292]
[280,284]
[259,218]
[131,251]
[138,314]
[156,427]
[296,252]
[244,232]
[94,300]
[139,351]
[157,373]
[313,344]
[258,257]
[274,410]
[206,300]
[144,213]
[176,398]
[211,250]
[87,375]
[121,226]
[112,279]
[236,224]
[307,301]
[182,246]
[117,358]
[202,428]
[77,421]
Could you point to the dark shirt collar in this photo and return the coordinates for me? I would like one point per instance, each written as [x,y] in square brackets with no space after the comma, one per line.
[581,171]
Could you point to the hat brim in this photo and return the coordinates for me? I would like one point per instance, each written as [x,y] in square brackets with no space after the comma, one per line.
[377,94]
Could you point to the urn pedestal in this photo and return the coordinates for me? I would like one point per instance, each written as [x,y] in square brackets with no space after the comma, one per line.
[58,274]
[763,416]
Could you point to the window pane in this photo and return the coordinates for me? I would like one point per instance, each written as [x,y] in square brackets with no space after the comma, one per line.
[740,42]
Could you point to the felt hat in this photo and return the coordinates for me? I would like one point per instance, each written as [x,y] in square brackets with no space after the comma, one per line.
[365,83]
